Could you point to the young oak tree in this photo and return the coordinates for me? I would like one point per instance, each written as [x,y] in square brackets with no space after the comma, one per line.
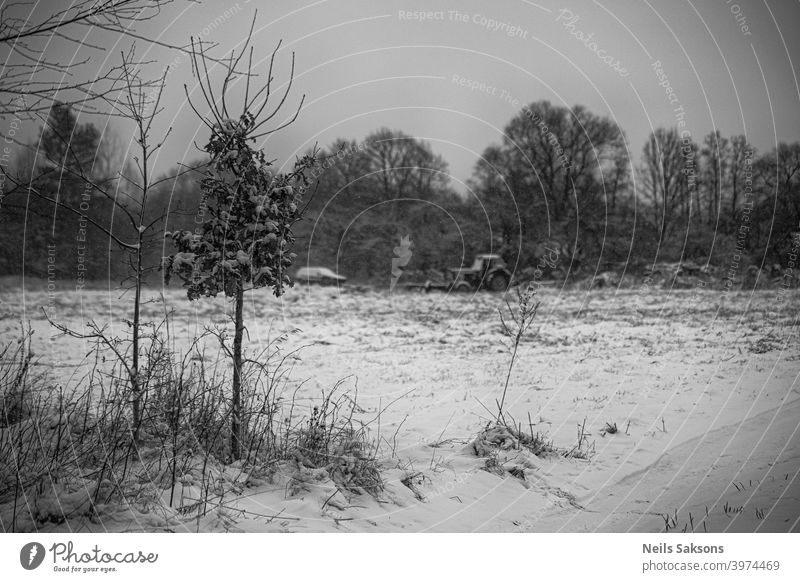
[245,242]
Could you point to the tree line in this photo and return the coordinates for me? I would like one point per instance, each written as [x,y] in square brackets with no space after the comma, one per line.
[560,177]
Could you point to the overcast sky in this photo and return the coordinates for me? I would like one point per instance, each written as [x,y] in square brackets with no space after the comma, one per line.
[457,74]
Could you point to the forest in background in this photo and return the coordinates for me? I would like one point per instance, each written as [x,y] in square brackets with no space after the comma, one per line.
[560,178]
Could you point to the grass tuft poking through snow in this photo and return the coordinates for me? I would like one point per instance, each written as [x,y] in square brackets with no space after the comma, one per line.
[332,441]
[502,439]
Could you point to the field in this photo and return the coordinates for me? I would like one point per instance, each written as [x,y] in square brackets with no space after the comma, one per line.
[683,405]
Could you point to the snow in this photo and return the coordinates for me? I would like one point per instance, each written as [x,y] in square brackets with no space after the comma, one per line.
[242,257]
[706,408]
[183,259]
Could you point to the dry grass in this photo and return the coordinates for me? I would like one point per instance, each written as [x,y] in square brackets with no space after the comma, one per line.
[332,440]
[76,458]
[503,433]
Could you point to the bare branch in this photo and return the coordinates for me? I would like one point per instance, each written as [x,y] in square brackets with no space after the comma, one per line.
[69,208]
[31,81]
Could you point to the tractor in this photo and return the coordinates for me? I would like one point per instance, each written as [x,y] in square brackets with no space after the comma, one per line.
[487,272]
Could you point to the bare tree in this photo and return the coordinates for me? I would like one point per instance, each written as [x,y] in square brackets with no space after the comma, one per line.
[778,174]
[715,158]
[616,177]
[665,182]
[740,155]
[404,166]
[495,180]
[550,172]
[128,193]
[33,73]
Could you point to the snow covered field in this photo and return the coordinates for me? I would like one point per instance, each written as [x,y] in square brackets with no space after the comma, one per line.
[703,387]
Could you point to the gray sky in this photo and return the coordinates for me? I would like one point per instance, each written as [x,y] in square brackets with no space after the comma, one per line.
[456,77]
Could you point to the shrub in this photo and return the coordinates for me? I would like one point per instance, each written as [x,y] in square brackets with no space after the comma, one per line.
[331,440]
[75,456]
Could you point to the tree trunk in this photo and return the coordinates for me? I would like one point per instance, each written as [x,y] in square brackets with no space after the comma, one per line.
[714,198]
[236,396]
[136,392]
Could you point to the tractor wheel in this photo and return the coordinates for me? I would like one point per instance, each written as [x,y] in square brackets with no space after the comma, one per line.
[461,287]
[498,282]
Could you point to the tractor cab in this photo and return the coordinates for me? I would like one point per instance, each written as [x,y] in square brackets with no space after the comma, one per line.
[488,271]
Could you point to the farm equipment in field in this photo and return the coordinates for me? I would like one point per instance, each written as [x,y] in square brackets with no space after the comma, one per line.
[487,272]
[319,275]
